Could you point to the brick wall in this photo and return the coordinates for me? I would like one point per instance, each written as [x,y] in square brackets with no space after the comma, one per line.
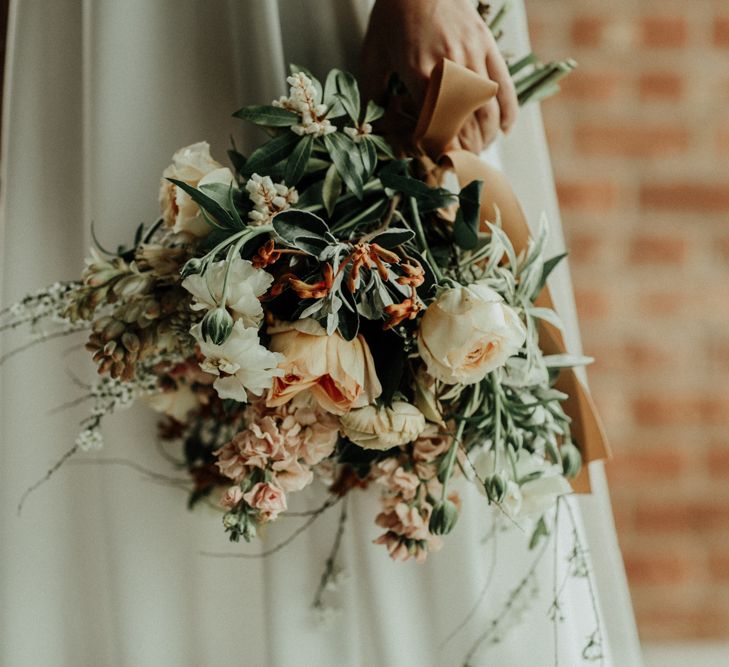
[640,145]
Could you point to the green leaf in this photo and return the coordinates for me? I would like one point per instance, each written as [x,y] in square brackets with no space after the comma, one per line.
[238,160]
[566,360]
[305,231]
[374,112]
[296,164]
[268,116]
[428,198]
[392,238]
[348,324]
[540,531]
[207,203]
[547,315]
[331,189]
[342,151]
[468,217]
[549,266]
[271,153]
[368,155]
[348,93]
[381,145]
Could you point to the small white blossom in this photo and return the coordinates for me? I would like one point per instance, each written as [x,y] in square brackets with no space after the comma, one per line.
[268,198]
[358,133]
[525,500]
[90,439]
[302,100]
[241,363]
[245,285]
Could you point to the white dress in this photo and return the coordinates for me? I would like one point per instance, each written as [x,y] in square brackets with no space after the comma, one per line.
[104,567]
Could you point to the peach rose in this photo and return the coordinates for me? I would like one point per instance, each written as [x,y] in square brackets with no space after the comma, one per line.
[467,332]
[340,374]
[268,499]
[232,496]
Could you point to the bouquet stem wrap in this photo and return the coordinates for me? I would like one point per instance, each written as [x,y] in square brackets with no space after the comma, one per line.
[453,94]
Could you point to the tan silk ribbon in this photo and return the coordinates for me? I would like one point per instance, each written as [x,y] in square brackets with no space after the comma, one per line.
[453,94]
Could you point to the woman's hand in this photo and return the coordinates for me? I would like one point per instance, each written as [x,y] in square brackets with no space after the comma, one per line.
[409,37]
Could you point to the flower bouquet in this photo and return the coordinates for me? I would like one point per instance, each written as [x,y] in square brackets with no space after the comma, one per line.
[340,307]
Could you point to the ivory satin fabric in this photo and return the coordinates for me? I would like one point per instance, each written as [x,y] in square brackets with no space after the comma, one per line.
[104,567]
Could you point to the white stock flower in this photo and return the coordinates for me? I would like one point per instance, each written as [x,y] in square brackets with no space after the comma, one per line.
[193,165]
[241,363]
[245,285]
[358,133]
[374,427]
[302,100]
[268,198]
[525,499]
[467,332]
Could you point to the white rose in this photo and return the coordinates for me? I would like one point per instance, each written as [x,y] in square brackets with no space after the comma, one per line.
[245,285]
[383,427]
[241,363]
[176,403]
[467,332]
[193,165]
[532,498]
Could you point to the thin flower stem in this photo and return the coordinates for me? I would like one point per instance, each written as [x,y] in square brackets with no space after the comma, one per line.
[332,559]
[269,552]
[46,477]
[452,452]
[420,234]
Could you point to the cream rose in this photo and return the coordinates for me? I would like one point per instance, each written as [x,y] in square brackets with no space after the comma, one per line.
[193,165]
[374,427]
[340,374]
[467,332]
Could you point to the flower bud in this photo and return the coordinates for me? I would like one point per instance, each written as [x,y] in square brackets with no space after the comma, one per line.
[192,267]
[216,326]
[444,518]
[571,460]
[495,487]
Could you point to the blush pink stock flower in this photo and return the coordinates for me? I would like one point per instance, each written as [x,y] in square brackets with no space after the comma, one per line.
[268,499]
[232,496]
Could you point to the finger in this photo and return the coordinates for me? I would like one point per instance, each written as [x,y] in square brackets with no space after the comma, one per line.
[506,95]
[470,135]
[488,119]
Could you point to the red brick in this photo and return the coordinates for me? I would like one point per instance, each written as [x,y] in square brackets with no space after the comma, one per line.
[722,140]
[671,623]
[643,357]
[597,196]
[584,247]
[680,411]
[591,85]
[718,462]
[699,196]
[658,250]
[657,569]
[632,140]
[592,304]
[635,468]
[664,31]
[721,31]
[664,303]
[587,30]
[719,565]
[660,86]
[686,516]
